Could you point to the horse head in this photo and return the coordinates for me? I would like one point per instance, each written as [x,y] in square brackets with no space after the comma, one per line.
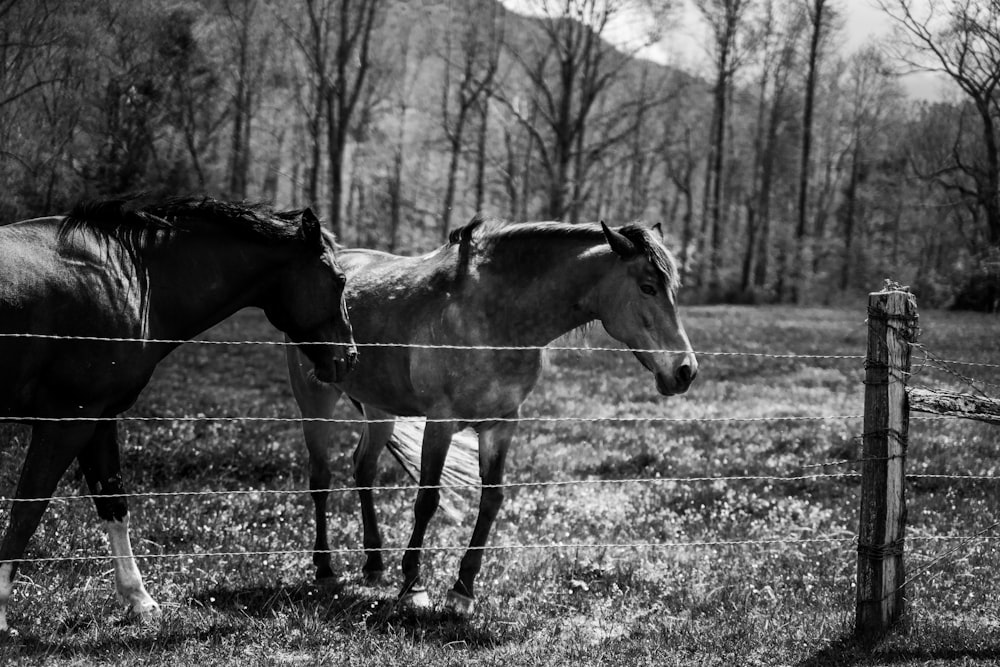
[310,307]
[638,306]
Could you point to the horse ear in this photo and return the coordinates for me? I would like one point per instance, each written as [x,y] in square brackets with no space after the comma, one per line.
[658,228]
[312,230]
[618,242]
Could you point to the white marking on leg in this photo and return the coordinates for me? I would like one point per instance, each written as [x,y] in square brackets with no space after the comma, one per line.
[128,580]
[6,588]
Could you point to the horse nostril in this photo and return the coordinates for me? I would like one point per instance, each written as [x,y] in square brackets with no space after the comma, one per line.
[684,375]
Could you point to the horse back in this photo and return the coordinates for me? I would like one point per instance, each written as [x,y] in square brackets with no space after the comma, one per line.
[73,285]
[425,306]
[58,287]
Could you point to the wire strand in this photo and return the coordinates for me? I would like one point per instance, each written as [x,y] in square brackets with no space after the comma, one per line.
[391,488]
[453,548]
[414,487]
[476,420]
[683,544]
[422,346]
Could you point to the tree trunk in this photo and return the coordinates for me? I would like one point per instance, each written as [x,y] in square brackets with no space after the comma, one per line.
[526,175]
[481,137]
[449,191]
[716,203]
[804,165]
[688,231]
[851,197]
[510,174]
[636,190]
[336,140]
[989,192]
[238,162]
[704,242]
[396,183]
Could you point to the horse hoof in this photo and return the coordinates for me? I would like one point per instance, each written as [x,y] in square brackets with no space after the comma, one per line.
[145,615]
[324,574]
[416,598]
[459,604]
[372,577]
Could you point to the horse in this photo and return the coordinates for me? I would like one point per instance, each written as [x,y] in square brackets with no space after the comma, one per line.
[495,284]
[160,272]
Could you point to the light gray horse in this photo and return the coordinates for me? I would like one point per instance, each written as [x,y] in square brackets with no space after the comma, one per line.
[493,284]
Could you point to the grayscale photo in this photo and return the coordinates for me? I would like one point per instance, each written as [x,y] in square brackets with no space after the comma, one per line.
[499,332]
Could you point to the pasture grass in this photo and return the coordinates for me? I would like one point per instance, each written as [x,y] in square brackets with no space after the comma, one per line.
[676,572]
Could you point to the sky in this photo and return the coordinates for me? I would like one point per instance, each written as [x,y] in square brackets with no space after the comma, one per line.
[683,44]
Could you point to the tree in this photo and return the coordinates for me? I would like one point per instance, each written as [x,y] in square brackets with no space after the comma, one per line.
[36,53]
[961,38]
[567,69]
[726,21]
[871,96]
[820,15]
[779,27]
[336,45]
[191,91]
[479,29]
[249,37]
[134,104]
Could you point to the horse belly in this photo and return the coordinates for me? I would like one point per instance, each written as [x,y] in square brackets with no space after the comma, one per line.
[18,380]
[64,378]
[476,385]
[381,380]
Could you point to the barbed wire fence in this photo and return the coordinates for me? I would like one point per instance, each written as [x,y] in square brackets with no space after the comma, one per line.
[931,363]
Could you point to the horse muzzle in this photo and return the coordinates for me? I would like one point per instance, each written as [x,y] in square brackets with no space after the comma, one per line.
[343,363]
[677,379]
[680,381]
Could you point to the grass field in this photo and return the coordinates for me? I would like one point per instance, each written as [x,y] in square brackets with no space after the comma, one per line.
[665,602]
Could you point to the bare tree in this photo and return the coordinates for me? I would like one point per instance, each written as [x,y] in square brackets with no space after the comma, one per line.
[336,43]
[569,67]
[726,20]
[779,26]
[39,103]
[192,91]
[250,41]
[681,159]
[479,28]
[871,96]
[961,38]
[820,14]
[407,63]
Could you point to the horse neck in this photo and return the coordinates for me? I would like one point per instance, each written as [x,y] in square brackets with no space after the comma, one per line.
[200,281]
[551,293]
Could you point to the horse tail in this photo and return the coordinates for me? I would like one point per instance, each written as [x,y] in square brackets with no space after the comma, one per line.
[461,467]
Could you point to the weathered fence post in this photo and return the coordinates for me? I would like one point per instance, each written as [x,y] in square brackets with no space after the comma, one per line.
[892,326]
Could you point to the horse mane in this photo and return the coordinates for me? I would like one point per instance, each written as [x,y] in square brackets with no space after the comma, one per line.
[483,233]
[136,222]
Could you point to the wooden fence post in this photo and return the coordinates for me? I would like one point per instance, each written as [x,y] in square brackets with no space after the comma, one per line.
[892,326]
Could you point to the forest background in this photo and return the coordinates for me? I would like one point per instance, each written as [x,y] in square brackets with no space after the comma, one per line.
[785,165]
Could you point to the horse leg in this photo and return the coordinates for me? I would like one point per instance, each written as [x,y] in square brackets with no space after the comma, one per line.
[101,467]
[374,437]
[434,449]
[493,445]
[315,401]
[52,448]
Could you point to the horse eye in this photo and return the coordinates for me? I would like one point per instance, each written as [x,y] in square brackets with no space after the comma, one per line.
[648,289]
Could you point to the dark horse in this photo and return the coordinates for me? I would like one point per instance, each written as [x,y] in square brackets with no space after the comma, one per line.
[492,285]
[117,269]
